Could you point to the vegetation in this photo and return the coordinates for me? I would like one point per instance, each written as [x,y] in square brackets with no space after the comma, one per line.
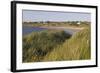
[38,44]
[57,45]
[64,24]
[76,48]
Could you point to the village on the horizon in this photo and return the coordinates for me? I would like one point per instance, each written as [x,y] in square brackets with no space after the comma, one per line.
[46,22]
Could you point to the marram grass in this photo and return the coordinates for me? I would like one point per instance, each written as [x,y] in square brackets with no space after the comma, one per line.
[38,44]
[76,48]
[54,45]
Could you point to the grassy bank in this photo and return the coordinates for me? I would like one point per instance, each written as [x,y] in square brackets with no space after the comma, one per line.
[38,44]
[54,45]
[76,48]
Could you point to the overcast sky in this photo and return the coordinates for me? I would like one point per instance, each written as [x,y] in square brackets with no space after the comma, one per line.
[34,16]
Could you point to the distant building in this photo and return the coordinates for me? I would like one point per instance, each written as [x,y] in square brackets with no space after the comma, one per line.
[78,23]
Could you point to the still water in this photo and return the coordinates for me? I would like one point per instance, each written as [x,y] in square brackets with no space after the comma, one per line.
[27,30]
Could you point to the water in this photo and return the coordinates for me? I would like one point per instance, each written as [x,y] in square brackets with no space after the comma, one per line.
[27,30]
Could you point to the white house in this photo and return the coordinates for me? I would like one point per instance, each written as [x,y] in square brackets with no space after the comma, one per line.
[78,23]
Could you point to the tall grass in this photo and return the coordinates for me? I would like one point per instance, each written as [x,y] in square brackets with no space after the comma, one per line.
[76,48]
[54,45]
[38,44]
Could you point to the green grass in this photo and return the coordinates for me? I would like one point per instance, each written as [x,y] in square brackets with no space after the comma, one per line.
[54,45]
[76,48]
[38,44]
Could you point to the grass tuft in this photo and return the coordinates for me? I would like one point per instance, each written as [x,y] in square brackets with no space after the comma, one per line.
[76,48]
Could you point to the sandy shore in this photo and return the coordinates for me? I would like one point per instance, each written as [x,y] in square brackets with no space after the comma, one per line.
[63,28]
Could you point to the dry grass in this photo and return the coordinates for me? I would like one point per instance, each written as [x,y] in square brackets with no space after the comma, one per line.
[76,48]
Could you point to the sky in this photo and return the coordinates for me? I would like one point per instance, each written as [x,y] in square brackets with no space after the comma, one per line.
[35,16]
